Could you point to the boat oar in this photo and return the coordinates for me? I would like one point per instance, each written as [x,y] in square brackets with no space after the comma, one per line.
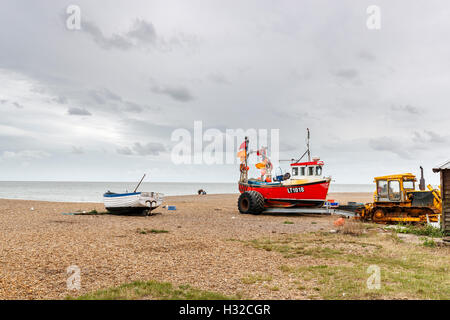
[139,184]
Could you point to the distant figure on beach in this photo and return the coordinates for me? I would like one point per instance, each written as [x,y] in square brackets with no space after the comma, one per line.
[201,192]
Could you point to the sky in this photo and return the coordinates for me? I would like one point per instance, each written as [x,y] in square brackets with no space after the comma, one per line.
[102,102]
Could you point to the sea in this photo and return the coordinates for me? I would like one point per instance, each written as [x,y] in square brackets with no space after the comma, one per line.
[93,191]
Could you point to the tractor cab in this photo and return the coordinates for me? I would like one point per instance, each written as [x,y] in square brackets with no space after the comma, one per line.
[394,188]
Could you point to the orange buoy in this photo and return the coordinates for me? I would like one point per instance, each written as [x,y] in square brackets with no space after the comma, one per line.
[339,222]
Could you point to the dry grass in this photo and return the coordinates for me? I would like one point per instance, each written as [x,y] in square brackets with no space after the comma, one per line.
[256,278]
[334,266]
[355,228]
[152,290]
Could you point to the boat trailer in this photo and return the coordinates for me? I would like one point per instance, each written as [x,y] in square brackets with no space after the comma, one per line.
[326,210]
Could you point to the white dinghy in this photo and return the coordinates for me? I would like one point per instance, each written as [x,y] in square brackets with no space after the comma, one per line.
[133,202]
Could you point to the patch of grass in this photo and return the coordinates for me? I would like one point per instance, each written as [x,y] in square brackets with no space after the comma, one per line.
[152,290]
[426,230]
[354,228]
[158,231]
[317,247]
[429,243]
[288,222]
[274,288]
[146,231]
[339,266]
[395,238]
[255,278]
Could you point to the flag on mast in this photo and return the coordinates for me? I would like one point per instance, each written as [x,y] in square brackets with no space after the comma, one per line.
[241,154]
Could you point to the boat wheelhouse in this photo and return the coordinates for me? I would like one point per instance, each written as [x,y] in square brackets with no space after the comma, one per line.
[310,170]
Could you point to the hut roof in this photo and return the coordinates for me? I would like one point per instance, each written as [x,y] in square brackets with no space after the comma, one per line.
[444,166]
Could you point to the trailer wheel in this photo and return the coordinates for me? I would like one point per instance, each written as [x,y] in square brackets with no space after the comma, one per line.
[251,202]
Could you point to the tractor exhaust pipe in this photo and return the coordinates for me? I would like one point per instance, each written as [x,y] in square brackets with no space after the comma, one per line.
[422,180]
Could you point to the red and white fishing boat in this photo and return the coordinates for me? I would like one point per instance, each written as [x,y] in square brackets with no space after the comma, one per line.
[304,186]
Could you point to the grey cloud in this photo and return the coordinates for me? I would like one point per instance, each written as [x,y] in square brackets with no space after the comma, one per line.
[347,73]
[115,41]
[110,95]
[97,97]
[286,146]
[388,144]
[113,100]
[142,33]
[175,92]
[434,137]
[15,104]
[298,116]
[219,78]
[25,154]
[407,108]
[365,55]
[102,96]
[78,112]
[77,150]
[428,137]
[151,148]
[132,107]
[60,100]
[407,149]
[147,128]
[124,150]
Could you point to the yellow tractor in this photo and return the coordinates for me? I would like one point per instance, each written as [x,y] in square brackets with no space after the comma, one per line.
[397,200]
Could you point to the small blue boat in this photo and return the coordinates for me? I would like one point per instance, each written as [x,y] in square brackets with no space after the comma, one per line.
[133,202]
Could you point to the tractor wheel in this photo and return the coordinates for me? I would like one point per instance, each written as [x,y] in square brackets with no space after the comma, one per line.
[379,216]
[251,202]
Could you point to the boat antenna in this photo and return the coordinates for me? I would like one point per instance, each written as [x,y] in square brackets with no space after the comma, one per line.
[139,183]
[307,144]
[307,152]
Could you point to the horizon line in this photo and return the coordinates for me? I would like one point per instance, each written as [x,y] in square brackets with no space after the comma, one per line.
[91,181]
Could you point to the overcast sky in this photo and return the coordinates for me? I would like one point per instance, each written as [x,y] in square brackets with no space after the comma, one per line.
[100,103]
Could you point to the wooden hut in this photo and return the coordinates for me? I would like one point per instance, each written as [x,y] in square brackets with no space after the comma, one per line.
[444,170]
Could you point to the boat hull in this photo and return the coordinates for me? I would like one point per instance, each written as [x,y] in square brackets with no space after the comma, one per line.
[131,203]
[127,210]
[311,194]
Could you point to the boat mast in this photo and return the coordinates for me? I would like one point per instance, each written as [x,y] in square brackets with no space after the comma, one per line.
[246,160]
[139,183]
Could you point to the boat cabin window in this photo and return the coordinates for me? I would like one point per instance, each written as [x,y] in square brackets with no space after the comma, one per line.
[409,184]
[307,171]
[394,190]
[318,171]
[382,188]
